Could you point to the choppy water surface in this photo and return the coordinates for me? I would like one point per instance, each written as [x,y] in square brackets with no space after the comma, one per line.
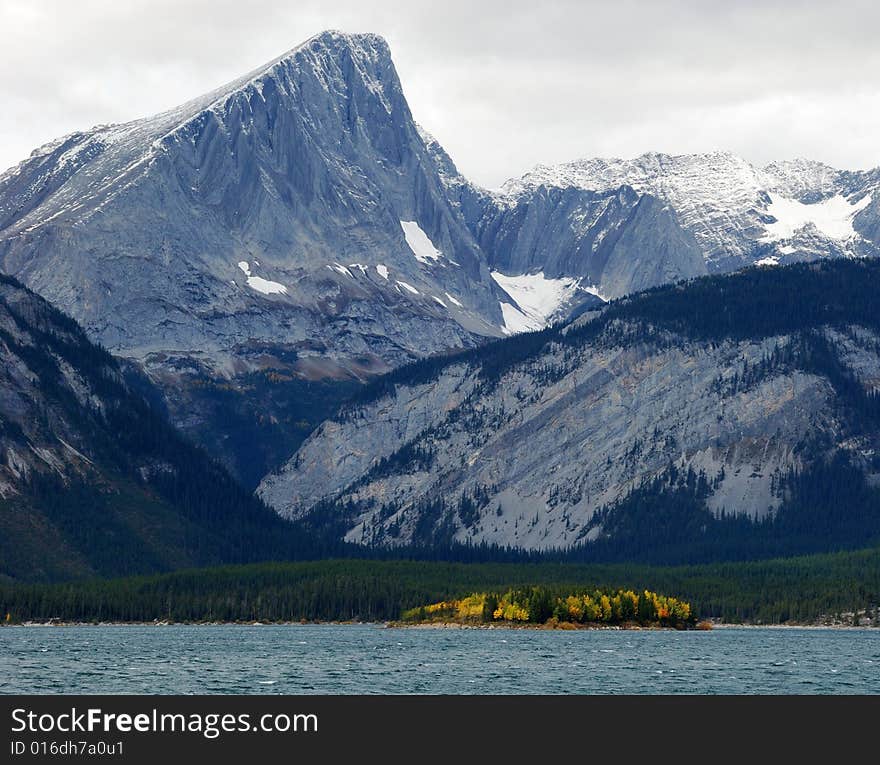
[375,659]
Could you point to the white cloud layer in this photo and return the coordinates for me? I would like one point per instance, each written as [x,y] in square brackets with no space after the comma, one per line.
[502,85]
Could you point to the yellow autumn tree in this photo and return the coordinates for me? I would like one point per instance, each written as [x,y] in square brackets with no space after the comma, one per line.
[575,607]
[591,609]
[470,608]
[509,610]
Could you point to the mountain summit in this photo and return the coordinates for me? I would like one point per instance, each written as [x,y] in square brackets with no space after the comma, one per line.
[293,206]
[737,213]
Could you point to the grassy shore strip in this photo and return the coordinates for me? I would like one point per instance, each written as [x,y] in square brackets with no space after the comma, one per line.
[802,590]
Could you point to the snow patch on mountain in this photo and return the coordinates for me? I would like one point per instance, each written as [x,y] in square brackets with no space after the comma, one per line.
[341,270]
[422,247]
[515,321]
[594,291]
[833,217]
[265,286]
[538,297]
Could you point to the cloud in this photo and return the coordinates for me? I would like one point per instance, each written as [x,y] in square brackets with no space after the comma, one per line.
[502,85]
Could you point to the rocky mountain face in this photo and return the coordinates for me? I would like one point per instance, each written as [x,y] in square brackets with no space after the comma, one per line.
[260,250]
[92,480]
[295,207]
[609,241]
[300,211]
[286,228]
[726,389]
[614,227]
[731,213]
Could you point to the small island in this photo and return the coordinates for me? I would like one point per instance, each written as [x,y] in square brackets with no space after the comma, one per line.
[550,609]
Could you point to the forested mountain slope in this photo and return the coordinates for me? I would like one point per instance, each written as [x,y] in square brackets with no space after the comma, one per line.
[92,479]
[728,415]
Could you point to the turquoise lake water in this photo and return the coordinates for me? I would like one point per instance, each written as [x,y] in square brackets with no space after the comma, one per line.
[354,659]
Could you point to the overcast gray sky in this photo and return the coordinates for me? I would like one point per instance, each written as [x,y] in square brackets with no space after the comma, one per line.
[502,85]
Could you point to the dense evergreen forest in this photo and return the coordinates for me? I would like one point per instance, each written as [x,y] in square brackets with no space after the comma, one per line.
[751,304]
[779,590]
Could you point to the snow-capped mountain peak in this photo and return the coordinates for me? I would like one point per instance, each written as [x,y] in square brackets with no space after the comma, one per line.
[115,155]
[310,160]
[734,209]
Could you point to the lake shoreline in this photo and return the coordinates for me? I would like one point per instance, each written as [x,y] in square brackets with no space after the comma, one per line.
[561,627]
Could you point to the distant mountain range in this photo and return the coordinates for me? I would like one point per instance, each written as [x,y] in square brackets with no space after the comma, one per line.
[738,215]
[255,255]
[300,209]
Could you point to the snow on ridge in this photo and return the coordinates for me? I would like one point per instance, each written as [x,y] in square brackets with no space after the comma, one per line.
[422,247]
[719,197]
[453,300]
[833,217]
[796,177]
[408,287]
[382,270]
[594,291]
[713,194]
[339,268]
[653,172]
[363,44]
[259,284]
[538,297]
[114,150]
